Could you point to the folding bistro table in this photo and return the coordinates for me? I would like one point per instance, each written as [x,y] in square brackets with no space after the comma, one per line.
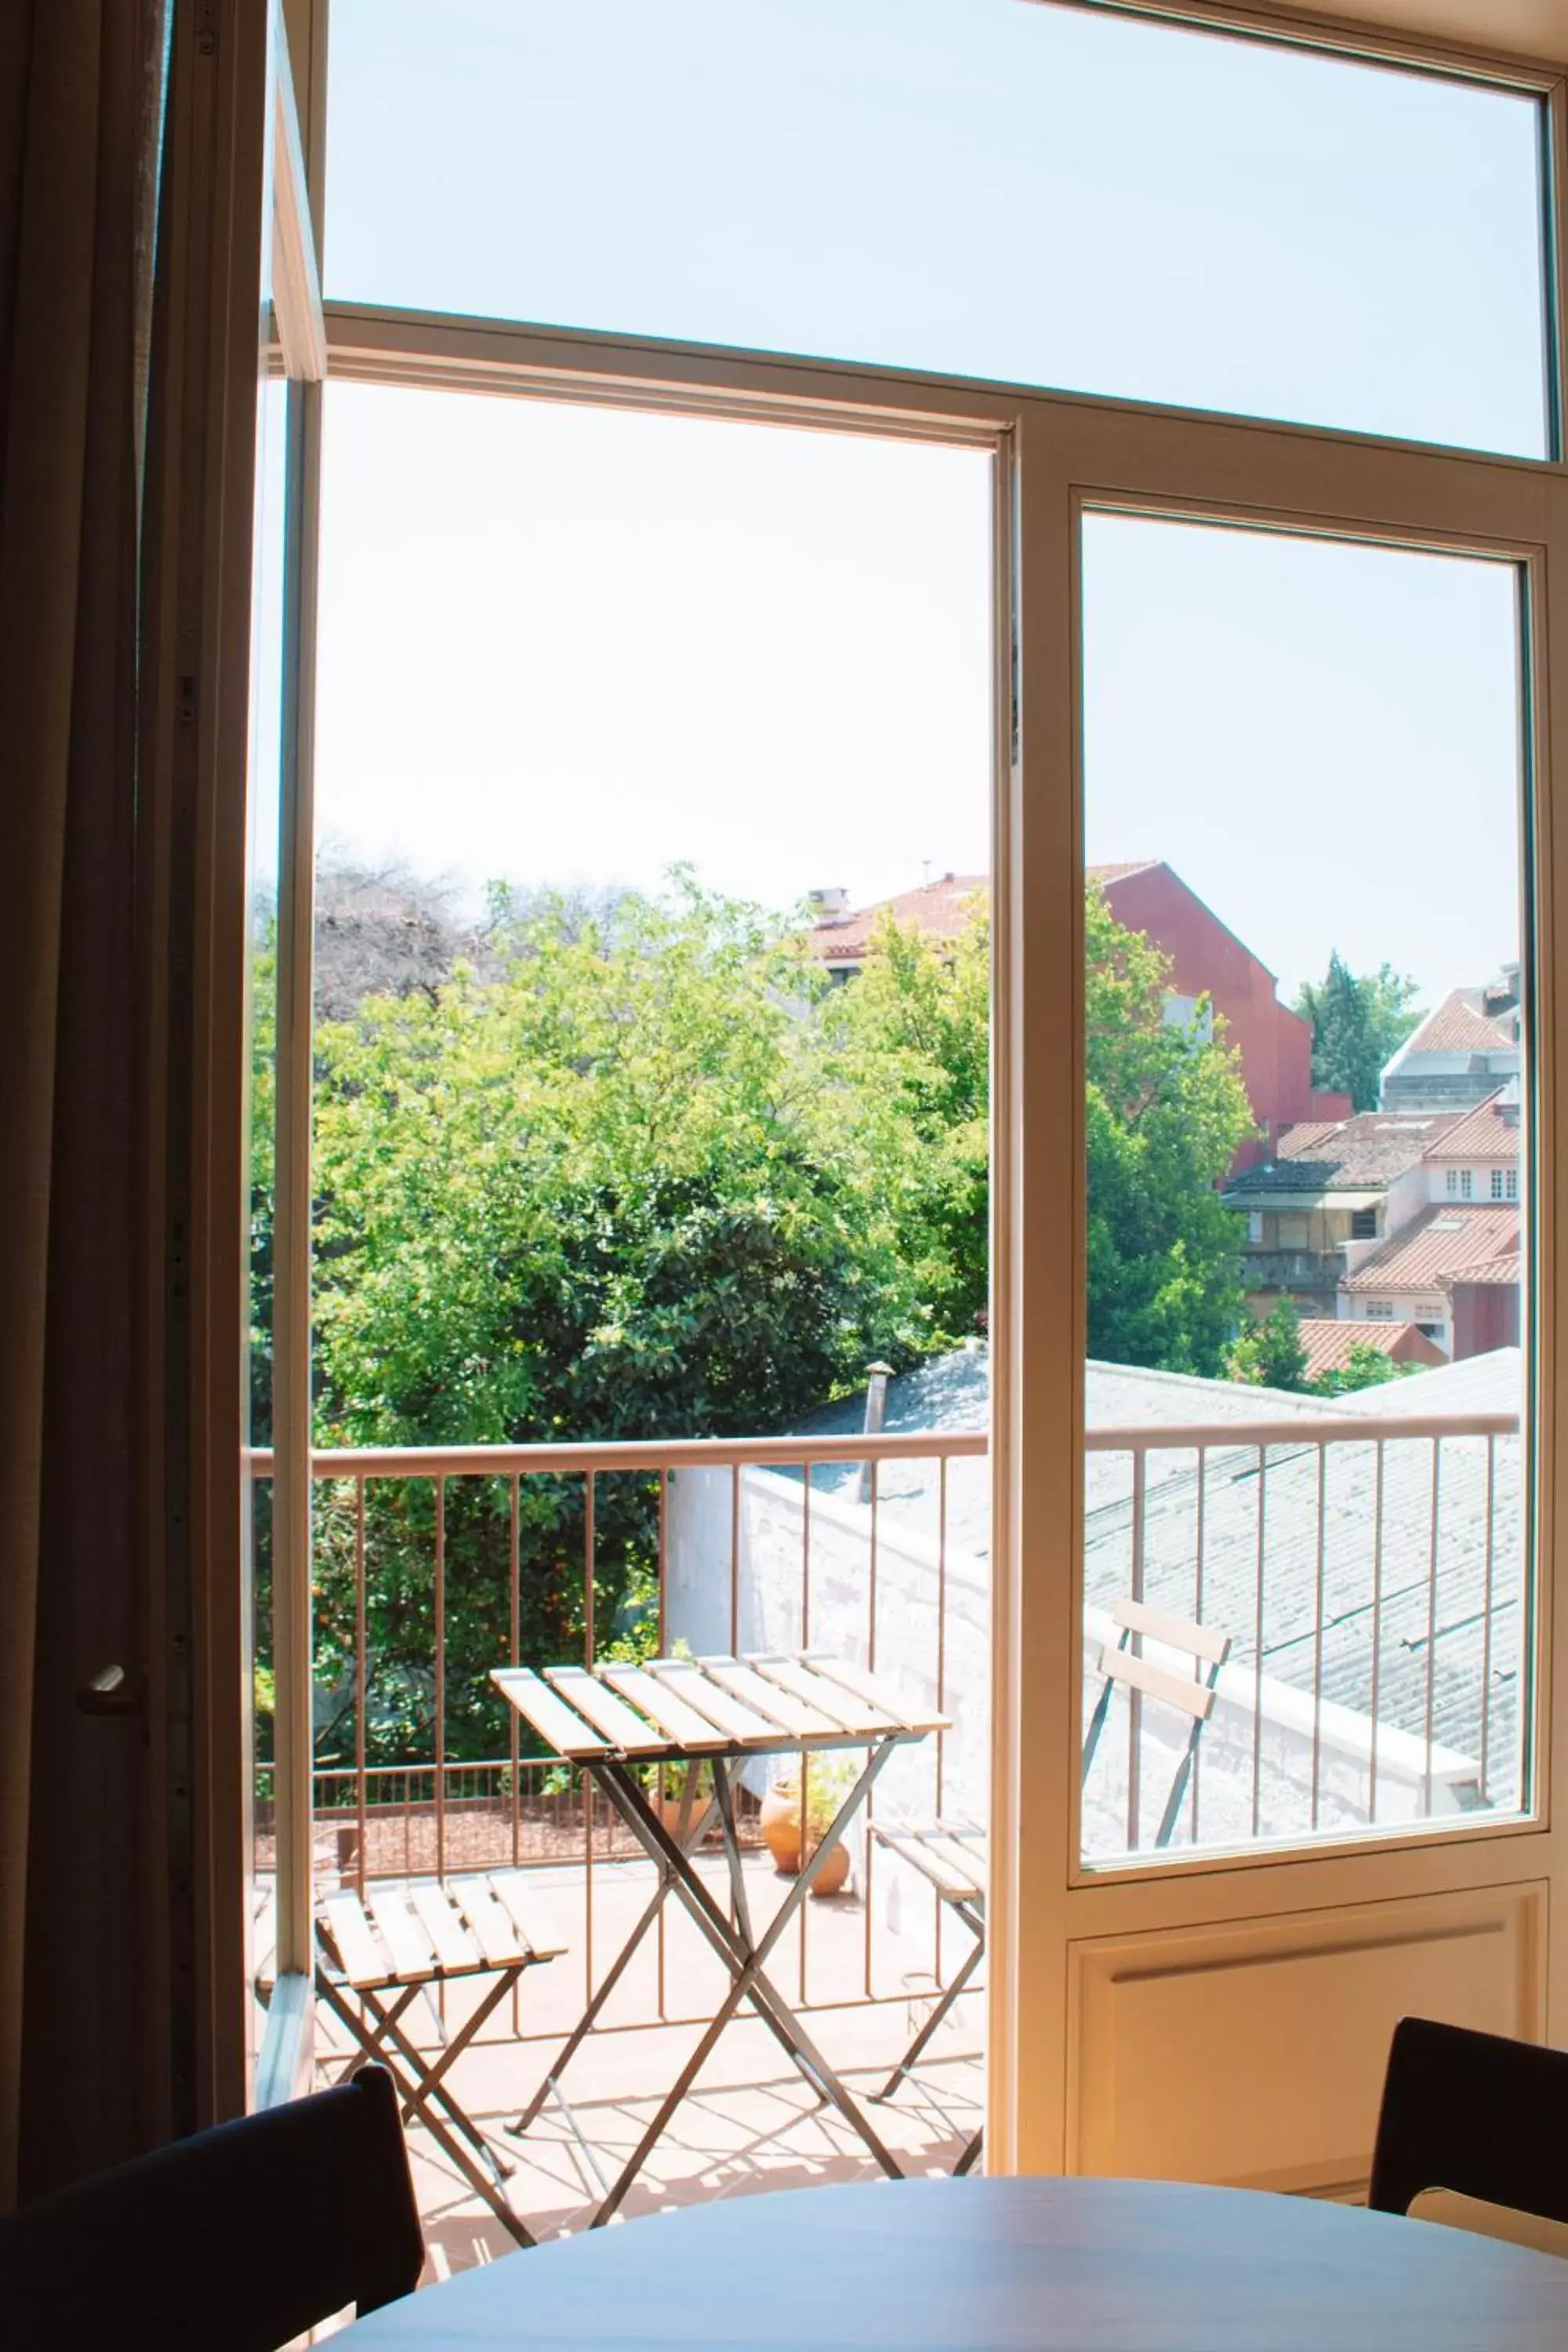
[618,1720]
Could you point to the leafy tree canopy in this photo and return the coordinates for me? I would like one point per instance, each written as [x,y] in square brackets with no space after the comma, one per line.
[1268,1351]
[1359,1023]
[1165,1110]
[636,1168]
[1365,1367]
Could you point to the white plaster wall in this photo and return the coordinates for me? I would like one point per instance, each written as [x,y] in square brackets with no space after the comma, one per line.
[941,1659]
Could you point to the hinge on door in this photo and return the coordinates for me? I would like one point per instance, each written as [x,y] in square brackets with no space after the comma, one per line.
[206,28]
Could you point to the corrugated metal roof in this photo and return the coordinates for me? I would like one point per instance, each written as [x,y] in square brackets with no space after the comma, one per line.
[1389,1648]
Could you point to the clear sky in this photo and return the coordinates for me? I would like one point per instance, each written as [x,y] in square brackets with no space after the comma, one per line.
[564,645]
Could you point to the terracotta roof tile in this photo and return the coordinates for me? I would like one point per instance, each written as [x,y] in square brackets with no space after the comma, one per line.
[1458,1026]
[940,910]
[1483,1133]
[1328,1342]
[1440,1238]
[1504,1268]
[1347,1155]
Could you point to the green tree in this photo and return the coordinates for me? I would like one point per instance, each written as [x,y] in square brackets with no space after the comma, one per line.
[1365,1367]
[1359,1023]
[611,1192]
[1268,1351]
[912,1041]
[1165,1110]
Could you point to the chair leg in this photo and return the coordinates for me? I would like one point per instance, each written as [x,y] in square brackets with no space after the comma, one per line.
[939,2012]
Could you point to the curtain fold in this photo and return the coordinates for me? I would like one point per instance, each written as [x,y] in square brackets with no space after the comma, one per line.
[81,90]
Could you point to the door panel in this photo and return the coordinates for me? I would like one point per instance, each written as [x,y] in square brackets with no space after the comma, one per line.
[1195,2054]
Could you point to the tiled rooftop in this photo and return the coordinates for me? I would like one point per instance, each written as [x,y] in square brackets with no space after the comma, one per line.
[1434,1243]
[1348,1155]
[1488,1132]
[1504,1269]
[1329,1343]
[1459,1025]
[938,909]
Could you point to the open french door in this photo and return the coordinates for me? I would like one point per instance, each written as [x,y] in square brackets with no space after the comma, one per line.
[1209,1932]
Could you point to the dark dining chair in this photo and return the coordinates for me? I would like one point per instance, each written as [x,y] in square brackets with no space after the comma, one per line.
[244,2236]
[1474,2114]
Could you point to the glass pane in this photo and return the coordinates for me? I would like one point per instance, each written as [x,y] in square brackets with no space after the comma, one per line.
[654,773]
[992,188]
[1309,1054]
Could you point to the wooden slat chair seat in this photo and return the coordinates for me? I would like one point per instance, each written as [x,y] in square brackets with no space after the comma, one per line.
[379,1952]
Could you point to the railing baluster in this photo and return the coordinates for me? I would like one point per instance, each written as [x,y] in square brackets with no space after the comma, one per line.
[1376,1627]
[660,1994]
[583,1782]
[514,1654]
[361,1680]
[869,1842]
[440,1677]
[1258,1643]
[1487,1625]
[1317,1634]
[1198,1613]
[1432,1627]
[1135,1697]
[805,1644]
[734,1559]
[939,1907]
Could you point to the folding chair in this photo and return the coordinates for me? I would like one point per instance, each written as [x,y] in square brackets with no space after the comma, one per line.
[376,1955]
[952,1858]
[1125,1668]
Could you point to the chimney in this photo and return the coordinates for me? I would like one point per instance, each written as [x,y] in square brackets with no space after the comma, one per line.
[828,906]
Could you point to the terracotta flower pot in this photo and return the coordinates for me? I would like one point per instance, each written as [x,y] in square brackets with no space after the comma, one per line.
[780,1821]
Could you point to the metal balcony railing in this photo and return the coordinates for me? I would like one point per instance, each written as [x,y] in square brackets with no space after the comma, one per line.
[1369,1570]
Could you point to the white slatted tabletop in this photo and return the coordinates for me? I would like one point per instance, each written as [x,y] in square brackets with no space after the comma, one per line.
[674,1709]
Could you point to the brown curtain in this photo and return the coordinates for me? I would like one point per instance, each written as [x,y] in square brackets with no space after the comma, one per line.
[80,101]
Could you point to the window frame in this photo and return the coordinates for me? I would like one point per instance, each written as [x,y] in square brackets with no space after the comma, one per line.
[369,343]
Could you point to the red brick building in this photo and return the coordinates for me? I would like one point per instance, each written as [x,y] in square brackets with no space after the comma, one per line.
[1206,960]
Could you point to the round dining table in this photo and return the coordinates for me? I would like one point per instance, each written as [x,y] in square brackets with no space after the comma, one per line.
[1033,2265]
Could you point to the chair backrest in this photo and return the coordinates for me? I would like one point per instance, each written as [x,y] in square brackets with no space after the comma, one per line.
[244,2236]
[1473,2112]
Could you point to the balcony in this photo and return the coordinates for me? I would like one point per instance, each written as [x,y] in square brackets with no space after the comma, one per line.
[1365,1561]
[1282,1269]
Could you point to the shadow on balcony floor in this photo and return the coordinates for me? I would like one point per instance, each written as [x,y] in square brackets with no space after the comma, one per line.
[749,2124]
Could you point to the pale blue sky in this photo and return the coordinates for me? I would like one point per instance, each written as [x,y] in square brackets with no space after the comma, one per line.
[562,644]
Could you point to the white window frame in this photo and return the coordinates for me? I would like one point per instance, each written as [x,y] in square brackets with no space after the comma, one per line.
[1038,967]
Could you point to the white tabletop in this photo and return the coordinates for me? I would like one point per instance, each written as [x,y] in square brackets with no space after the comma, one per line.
[1001,2267]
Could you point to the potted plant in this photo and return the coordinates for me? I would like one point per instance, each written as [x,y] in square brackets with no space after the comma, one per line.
[680,1791]
[829,1780]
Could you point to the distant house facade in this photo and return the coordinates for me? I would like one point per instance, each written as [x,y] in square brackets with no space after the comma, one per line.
[1411,1278]
[1464,1051]
[1206,960]
[1335,1191]
[1369,1220]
